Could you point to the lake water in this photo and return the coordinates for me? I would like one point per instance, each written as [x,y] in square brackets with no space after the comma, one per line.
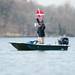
[13,62]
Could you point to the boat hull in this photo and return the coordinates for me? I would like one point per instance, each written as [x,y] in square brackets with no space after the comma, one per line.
[30,47]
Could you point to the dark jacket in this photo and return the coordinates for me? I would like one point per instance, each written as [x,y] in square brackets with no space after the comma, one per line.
[41,28]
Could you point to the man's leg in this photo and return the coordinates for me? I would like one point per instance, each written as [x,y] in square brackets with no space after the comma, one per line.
[42,40]
[39,40]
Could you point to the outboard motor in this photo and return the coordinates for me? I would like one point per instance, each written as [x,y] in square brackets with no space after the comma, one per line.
[63,41]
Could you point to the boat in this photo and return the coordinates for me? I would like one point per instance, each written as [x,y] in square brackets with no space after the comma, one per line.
[41,47]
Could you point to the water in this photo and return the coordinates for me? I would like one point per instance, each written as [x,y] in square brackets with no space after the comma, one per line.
[13,62]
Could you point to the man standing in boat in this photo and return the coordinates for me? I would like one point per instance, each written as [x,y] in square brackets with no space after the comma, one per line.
[40,25]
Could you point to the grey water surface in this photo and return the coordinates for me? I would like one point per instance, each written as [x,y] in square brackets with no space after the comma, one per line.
[13,62]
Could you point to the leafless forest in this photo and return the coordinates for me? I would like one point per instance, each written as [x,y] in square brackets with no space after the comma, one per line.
[17,18]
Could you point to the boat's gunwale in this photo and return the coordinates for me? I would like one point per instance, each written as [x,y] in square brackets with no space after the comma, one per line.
[28,46]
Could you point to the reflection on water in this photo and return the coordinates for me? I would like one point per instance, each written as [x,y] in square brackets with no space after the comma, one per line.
[13,62]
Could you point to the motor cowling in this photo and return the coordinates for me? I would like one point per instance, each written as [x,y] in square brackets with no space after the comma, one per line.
[63,41]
